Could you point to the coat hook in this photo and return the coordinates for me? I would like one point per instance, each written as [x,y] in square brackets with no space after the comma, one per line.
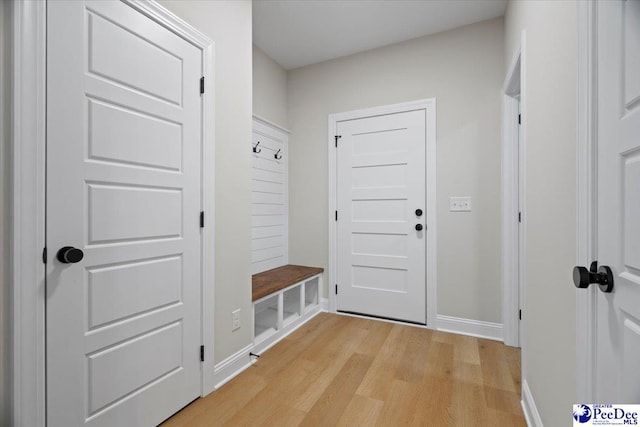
[276,155]
[256,149]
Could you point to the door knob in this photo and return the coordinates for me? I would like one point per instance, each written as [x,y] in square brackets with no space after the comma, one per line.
[418,212]
[602,276]
[419,227]
[69,255]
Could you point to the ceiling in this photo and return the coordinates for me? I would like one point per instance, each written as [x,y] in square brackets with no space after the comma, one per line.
[301,32]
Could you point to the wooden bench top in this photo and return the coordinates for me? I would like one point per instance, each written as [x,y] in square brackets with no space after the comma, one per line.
[271,281]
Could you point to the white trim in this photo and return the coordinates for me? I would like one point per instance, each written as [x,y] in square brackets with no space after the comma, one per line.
[429,105]
[28,192]
[172,22]
[209,207]
[270,123]
[511,201]
[28,205]
[529,408]
[523,201]
[232,366]
[586,208]
[473,328]
[324,304]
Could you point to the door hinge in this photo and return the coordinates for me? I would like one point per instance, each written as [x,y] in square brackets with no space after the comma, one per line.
[519,119]
[202,85]
[202,353]
[336,215]
[44,255]
[201,219]
[519,216]
[520,314]
[336,289]
[337,137]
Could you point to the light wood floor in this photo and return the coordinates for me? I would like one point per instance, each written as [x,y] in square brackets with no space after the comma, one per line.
[346,371]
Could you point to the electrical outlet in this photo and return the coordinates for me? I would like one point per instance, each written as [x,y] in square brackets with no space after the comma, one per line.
[460,204]
[235,319]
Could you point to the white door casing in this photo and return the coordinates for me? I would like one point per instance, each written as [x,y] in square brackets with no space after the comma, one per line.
[381,182]
[513,191]
[124,185]
[618,201]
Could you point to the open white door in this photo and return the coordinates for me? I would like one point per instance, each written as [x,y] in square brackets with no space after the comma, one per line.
[618,330]
[381,218]
[124,189]
[617,340]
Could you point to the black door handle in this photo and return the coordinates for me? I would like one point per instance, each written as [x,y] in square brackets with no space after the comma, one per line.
[418,212]
[419,227]
[69,255]
[602,276]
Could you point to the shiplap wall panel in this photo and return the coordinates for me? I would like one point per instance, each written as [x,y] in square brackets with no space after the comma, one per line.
[262,232]
[270,210]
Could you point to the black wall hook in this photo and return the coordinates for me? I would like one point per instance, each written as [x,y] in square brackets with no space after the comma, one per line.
[256,149]
[276,155]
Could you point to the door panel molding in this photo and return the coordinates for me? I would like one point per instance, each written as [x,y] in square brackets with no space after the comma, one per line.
[429,106]
[27,389]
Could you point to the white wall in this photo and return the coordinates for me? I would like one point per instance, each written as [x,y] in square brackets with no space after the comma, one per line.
[269,89]
[550,217]
[228,24]
[463,69]
[5,170]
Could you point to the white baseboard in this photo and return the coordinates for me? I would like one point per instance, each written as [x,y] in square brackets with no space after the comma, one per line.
[232,366]
[474,328]
[531,414]
[324,304]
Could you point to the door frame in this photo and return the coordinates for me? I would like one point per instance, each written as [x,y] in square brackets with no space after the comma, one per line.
[429,106]
[586,197]
[513,171]
[27,240]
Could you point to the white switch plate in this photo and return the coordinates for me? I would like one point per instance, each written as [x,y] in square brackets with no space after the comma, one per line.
[235,315]
[460,204]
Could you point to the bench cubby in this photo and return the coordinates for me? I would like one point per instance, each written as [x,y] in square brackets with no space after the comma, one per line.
[284,298]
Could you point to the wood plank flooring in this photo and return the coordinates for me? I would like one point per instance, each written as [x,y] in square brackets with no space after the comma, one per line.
[346,371]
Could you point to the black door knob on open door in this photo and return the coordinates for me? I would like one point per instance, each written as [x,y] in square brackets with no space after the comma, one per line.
[69,255]
[418,212]
[419,227]
[602,276]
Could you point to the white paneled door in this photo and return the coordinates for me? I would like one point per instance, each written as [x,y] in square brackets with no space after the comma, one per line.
[381,225]
[618,312]
[123,196]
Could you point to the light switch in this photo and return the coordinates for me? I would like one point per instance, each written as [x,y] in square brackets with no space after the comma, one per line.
[460,204]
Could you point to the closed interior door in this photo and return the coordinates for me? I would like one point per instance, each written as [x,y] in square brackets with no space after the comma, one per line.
[123,186]
[381,223]
[618,312]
